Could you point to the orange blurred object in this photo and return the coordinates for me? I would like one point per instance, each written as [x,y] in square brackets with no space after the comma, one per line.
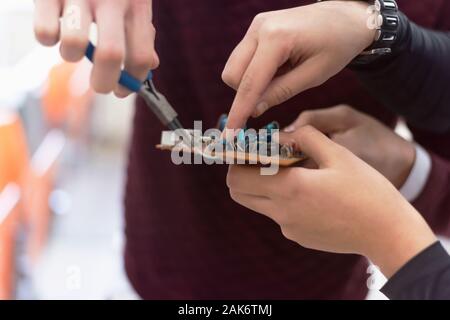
[13,166]
[67,97]
[13,148]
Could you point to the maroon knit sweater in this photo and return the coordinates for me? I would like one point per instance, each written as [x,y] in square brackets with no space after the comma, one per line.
[186,239]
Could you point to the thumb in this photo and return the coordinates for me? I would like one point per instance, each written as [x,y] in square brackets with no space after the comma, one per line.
[328,120]
[313,143]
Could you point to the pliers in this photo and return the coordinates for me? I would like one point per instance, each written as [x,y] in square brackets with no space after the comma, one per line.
[153,98]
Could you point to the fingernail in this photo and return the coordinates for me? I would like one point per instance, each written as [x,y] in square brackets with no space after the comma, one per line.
[289,129]
[121,92]
[261,108]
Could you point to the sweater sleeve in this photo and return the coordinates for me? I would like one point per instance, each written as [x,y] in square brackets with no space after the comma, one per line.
[414,81]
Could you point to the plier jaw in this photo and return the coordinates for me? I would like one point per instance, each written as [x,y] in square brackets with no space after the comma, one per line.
[163,110]
[159,105]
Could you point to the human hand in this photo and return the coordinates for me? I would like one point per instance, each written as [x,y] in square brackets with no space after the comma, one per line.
[344,206]
[125,36]
[366,137]
[289,51]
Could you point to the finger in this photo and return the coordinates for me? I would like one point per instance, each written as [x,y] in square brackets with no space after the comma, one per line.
[329,120]
[238,62]
[258,204]
[307,75]
[351,141]
[110,51]
[248,180]
[140,39]
[46,21]
[313,143]
[255,80]
[77,19]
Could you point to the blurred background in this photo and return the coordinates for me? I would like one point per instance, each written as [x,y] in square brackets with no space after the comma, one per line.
[62,162]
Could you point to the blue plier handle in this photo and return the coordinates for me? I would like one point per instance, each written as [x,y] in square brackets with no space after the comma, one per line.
[126,79]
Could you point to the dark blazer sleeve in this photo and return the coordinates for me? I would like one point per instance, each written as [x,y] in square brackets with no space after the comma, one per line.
[425,277]
[414,81]
[434,201]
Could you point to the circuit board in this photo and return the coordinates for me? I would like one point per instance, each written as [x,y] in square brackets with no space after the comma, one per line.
[239,157]
[248,146]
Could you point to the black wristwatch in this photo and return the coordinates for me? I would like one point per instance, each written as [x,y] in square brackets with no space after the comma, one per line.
[383,16]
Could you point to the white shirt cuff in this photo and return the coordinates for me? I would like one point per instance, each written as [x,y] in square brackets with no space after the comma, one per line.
[418,177]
